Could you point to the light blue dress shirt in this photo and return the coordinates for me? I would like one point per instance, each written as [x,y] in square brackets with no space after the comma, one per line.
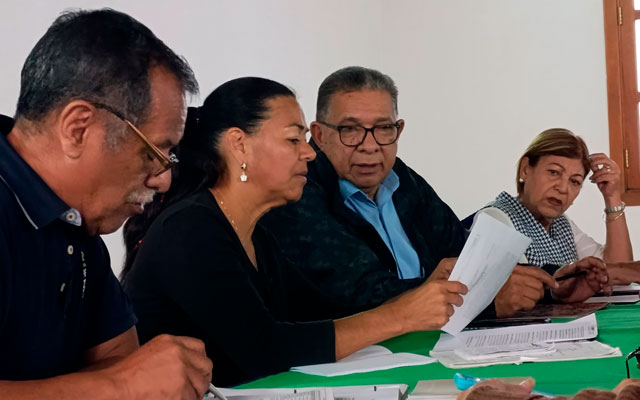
[382,214]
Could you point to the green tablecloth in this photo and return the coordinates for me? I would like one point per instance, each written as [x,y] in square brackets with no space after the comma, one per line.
[618,326]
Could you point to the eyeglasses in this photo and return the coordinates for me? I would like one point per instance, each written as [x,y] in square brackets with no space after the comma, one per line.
[636,354]
[166,162]
[354,135]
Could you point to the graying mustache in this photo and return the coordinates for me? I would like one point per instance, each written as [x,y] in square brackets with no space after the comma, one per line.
[141,197]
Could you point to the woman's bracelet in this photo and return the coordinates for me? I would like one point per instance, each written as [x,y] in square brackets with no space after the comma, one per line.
[615,209]
[621,213]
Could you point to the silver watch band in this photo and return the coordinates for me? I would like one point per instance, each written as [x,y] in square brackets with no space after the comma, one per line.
[615,209]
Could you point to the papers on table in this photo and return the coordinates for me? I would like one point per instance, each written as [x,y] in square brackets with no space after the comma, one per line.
[563,351]
[485,263]
[372,358]
[517,344]
[490,353]
[365,392]
[621,294]
[581,328]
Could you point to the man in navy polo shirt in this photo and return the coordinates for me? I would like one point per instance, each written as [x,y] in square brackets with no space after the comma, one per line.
[102,101]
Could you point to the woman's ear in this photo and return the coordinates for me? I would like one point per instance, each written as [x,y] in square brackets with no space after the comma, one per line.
[524,168]
[236,140]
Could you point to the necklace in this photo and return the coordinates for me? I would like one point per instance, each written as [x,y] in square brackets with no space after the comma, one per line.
[220,200]
[248,244]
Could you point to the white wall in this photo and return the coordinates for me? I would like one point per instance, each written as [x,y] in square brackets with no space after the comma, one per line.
[478,79]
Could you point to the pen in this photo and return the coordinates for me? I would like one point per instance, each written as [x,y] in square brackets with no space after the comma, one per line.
[571,275]
[215,392]
[511,321]
[464,382]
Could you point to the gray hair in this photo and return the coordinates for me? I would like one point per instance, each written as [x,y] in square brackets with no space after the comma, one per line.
[100,56]
[353,79]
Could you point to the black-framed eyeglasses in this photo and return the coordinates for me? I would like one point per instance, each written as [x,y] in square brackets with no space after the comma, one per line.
[636,354]
[166,162]
[354,135]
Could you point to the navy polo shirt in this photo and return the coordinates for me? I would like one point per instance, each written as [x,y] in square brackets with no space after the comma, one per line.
[58,295]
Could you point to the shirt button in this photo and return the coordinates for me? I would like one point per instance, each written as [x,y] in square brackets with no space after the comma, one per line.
[70,250]
[70,216]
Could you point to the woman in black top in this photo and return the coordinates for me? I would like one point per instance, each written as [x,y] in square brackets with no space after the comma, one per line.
[202,268]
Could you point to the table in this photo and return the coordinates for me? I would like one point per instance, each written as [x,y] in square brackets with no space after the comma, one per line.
[618,325]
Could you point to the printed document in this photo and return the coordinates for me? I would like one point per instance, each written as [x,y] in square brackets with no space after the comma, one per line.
[563,351]
[485,263]
[578,329]
[517,344]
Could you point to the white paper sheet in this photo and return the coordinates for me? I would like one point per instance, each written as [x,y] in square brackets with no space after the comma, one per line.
[564,351]
[578,350]
[621,294]
[485,263]
[568,339]
[520,349]
[361,392]
[302,394]
[578,329]
[372,358]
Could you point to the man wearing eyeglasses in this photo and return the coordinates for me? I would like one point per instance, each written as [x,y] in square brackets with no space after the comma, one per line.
[102,101]
[368,227]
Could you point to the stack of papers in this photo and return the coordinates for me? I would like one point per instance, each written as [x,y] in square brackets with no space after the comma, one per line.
[620,295]
[365,392]
[372,358]
[517,344]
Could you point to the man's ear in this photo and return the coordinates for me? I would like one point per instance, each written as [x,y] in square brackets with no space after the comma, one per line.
[400,127]
[317,134]
[75,121]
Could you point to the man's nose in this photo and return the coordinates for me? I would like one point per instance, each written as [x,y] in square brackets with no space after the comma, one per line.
[369,144]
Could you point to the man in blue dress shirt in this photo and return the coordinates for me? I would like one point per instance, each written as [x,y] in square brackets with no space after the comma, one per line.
[102,101]
[367,227]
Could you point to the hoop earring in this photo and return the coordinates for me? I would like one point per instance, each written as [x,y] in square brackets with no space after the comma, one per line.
[243,175]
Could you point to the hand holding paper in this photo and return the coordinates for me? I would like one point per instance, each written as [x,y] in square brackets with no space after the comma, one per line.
[486,261]
[427,307]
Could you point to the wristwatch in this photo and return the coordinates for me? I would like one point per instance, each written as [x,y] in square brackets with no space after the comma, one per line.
[615,209]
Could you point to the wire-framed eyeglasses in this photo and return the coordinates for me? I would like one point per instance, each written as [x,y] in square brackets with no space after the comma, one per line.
[166,162]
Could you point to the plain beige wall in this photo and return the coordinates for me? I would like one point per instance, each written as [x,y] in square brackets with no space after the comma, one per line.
[478,79]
